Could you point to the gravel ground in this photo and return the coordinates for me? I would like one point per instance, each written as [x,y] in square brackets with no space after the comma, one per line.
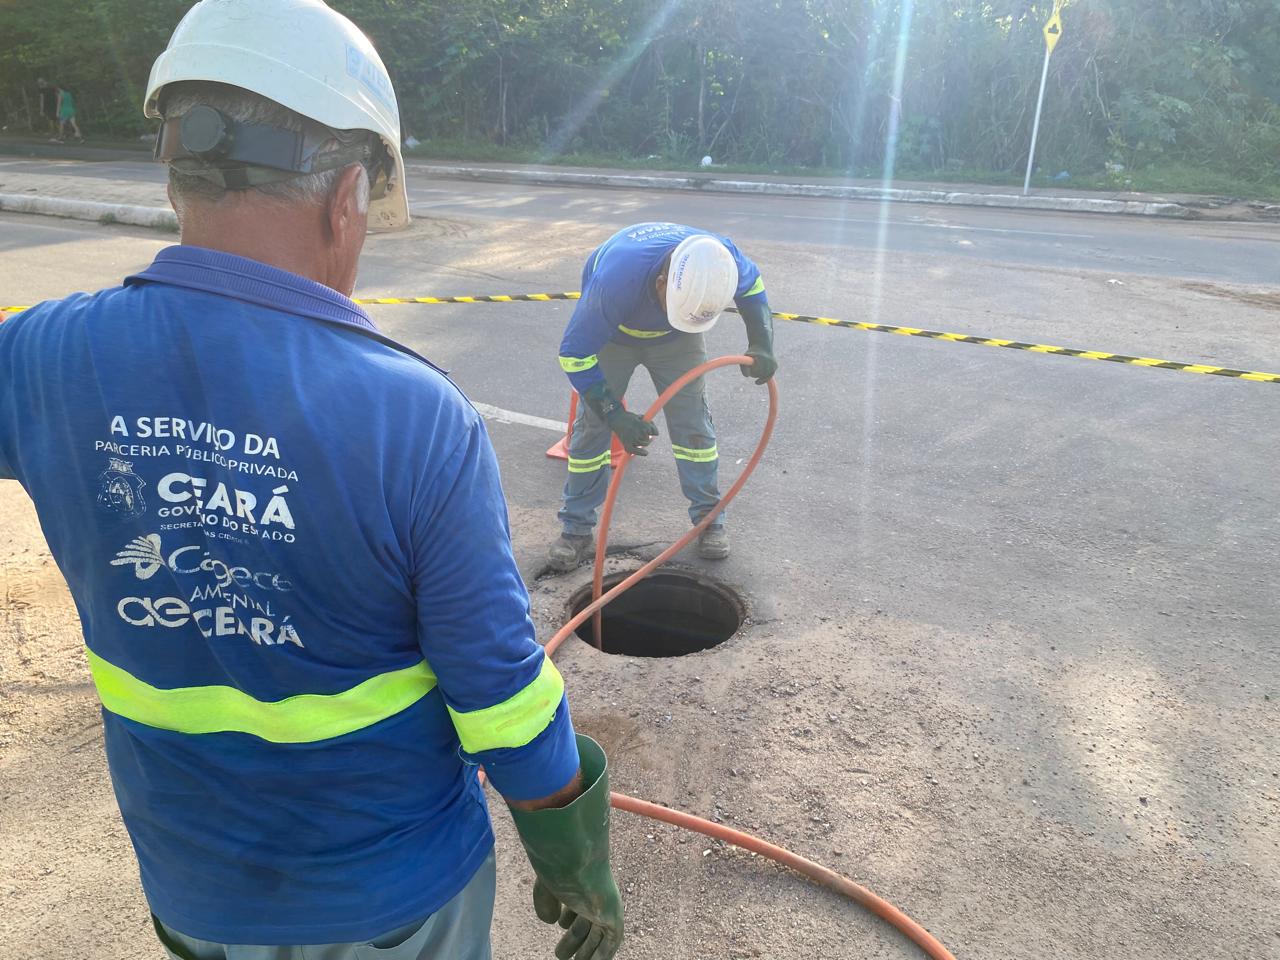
[1010,655]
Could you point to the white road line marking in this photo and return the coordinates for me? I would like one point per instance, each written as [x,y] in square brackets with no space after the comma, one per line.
[525,419]
[916,223]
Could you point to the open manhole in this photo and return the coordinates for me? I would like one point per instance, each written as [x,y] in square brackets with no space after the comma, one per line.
[669,614]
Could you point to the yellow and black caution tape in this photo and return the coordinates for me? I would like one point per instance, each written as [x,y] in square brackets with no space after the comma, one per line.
[1038,348]
[1203,368]
[495,298]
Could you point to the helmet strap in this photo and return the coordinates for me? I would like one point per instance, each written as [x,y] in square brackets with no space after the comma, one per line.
[206,143]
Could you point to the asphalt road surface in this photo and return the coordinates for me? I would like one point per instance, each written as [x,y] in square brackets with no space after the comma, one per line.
[1011,659]
[1233,252]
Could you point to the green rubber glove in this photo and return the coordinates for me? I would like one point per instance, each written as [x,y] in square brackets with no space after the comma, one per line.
[569,850]
[758,319]
[633,430]
[765,366]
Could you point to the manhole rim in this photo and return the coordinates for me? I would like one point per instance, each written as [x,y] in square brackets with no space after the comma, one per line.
[732,596]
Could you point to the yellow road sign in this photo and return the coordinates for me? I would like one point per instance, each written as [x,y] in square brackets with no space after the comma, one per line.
[1053,30]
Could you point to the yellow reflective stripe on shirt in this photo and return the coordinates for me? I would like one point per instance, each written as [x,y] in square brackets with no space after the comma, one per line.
[592,465]
[705,455]
[515,721]
[643,334]
[578,364]
[305,718]
[757,287]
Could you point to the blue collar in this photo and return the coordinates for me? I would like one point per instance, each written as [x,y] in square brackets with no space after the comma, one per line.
[213,271]
[225,274]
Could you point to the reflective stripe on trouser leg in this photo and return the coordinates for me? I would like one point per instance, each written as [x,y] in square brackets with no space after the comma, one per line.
[688,420]
[589,473]
[591,464]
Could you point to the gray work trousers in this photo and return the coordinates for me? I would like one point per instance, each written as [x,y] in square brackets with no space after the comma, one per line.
[688,419]
[457,931]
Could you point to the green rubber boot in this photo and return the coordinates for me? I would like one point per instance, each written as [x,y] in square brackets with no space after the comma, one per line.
[569,850]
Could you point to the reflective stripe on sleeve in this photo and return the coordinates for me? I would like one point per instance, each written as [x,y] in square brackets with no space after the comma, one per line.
[643,334]
[705,455]
[305,718]
[578,364]
[592,465]
[757,287]
[517,720]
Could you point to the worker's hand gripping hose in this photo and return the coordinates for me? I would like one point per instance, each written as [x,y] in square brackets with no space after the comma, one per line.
[634,432]
[814,871]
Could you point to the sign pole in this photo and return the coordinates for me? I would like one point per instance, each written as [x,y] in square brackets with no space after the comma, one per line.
[1052,34]
[1035,127]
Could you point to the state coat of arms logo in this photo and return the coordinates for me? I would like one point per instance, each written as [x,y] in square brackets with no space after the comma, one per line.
[120,489]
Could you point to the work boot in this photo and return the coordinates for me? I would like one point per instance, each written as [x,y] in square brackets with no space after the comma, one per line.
[713,544]
[568,552]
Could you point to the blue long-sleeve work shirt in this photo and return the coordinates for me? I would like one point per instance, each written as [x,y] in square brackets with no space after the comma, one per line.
[288,545]
[619,299]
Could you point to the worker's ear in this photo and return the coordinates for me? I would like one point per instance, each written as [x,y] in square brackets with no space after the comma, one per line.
[347,225]
[345,215]
[660,281]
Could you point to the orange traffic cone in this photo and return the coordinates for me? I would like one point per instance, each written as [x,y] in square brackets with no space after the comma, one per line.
[560,449]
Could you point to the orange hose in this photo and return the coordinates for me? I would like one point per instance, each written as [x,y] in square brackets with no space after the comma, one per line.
[814,871]
[606,516]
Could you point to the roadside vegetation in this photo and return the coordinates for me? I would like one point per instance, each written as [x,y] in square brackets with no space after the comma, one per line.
[1171,95]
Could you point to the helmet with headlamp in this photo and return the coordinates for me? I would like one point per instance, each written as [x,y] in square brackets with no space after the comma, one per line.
[304,56]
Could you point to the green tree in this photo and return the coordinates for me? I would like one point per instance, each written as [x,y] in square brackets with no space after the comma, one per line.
[806,82]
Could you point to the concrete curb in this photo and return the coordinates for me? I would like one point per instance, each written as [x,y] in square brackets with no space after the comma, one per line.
[1139,208]
[163,218]
[160,218]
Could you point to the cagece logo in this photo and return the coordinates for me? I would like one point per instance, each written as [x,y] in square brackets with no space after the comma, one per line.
[144,554]
[220,621]
[161,612]
[147,558]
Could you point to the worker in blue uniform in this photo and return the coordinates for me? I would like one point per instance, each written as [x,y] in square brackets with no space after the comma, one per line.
[288,544]
[649,293]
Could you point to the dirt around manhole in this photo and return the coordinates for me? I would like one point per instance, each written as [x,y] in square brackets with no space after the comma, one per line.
[1255,298]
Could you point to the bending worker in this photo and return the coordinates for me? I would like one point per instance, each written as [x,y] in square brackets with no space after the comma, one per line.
[288,545]
[649,293]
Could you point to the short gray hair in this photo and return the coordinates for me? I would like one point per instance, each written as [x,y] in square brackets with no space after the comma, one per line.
[244,106]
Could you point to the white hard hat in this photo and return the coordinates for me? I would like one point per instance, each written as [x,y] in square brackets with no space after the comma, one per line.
[302,55]
[701,281]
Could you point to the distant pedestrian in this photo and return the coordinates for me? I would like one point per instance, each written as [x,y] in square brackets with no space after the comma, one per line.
[67,115]
[48,104]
